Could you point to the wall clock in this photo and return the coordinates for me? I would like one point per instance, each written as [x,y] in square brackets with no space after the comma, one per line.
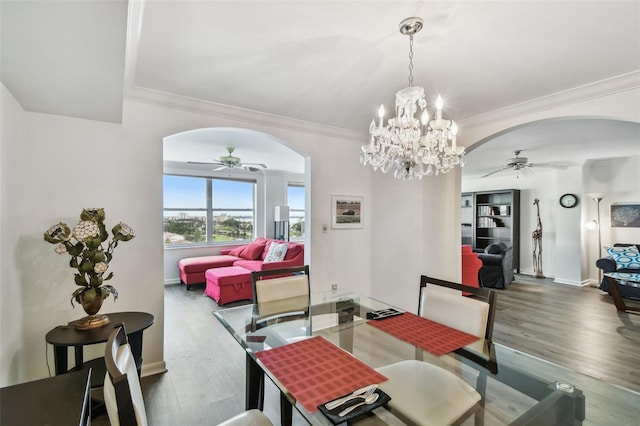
[568,201]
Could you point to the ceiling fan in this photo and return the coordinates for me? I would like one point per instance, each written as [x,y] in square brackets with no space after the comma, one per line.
[518,163]
[231,162]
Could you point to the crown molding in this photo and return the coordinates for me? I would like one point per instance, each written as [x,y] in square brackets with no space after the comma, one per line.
[168,100]
[575,95]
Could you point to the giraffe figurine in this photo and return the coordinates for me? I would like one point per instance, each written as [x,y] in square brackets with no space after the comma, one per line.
[536,237]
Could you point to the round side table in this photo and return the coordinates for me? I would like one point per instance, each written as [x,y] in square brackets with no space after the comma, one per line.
[63,337]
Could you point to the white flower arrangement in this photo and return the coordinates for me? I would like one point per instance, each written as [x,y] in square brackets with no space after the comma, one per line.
[88,256]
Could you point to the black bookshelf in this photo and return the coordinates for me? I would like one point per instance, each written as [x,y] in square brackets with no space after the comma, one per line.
[489,217]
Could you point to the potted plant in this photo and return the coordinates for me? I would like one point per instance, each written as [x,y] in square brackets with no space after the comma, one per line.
[89,256]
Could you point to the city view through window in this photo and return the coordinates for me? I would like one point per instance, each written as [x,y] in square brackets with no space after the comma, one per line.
[205,210]
[295,201]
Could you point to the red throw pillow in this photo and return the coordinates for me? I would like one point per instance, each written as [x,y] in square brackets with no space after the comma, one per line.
[267,244]
[254,251]
[293,251]
[238,251]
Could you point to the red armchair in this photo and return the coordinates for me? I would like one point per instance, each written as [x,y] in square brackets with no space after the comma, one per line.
[471,265]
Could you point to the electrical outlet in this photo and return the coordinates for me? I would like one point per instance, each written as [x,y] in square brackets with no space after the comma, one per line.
[334,287]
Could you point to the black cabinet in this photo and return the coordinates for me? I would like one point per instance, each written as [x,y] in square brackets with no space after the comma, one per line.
[467,219]
[489,217]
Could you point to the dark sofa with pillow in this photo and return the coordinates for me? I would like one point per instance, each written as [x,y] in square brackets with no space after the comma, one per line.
[497,266]
[608,264]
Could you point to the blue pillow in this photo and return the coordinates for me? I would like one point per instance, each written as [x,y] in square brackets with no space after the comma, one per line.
[625,257]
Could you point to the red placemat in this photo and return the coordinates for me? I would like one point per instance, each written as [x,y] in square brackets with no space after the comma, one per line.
[316,371]
[428,335]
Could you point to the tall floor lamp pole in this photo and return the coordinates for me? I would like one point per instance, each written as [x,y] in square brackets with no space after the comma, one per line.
[597,201]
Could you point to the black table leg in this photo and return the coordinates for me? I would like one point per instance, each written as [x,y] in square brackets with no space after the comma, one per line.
[135,342]
[254,384]
[79,355]
[286,411]
[60,359]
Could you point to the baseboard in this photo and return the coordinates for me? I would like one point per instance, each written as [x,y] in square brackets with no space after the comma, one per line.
[559,280]
[155,368]
[569,282]
[589,282]
[170,281]
[531,274]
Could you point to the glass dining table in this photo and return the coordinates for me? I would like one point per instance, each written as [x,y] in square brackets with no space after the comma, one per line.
[516,388]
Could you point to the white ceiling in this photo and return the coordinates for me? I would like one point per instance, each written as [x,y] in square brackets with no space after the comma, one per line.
[65,57]
[327,62]
[206,145]
[570,142]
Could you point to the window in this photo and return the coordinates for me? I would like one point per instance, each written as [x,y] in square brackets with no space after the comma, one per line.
[295,201]
[200,210]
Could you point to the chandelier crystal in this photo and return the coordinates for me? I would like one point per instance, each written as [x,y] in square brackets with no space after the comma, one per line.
[409,146]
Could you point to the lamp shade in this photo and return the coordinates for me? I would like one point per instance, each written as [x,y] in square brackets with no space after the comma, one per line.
[281,214]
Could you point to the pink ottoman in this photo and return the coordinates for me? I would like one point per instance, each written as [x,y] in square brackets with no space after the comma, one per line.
[192,269]
[228,284]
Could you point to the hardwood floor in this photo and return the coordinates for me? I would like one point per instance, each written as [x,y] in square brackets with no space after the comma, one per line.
[578,328]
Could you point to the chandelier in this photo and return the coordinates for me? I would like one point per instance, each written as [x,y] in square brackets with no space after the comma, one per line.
[409,146]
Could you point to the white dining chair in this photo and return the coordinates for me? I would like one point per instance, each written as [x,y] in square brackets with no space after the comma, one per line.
[123,393]
[426,394]
[280,295]
[248,418]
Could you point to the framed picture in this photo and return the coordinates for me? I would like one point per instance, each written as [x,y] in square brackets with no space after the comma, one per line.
[346,211]
[625,215]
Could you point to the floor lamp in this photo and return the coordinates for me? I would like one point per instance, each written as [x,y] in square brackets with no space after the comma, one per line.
[596,224]
[281,225]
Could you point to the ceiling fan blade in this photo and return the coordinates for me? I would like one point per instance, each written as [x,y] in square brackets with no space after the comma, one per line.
[222,167]
[199,162]
[264,166]
[496,171]
[550,166]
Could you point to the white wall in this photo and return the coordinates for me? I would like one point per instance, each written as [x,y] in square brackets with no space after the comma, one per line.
[57,165]
[615,99]
[566,257]
[617,102]
[275,194]
[569,249]
[541,185]
[397,213]
[74,163]
[618,181]
[12,172]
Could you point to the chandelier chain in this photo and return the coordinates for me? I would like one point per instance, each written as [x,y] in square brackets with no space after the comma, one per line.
[411,60]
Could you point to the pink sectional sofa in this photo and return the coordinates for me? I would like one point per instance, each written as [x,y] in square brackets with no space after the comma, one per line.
[226,284]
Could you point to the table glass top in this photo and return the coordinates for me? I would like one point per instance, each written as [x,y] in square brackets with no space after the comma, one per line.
[522,387]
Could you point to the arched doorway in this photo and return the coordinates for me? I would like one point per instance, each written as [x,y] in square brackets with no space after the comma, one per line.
[592,149]
[195,155]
